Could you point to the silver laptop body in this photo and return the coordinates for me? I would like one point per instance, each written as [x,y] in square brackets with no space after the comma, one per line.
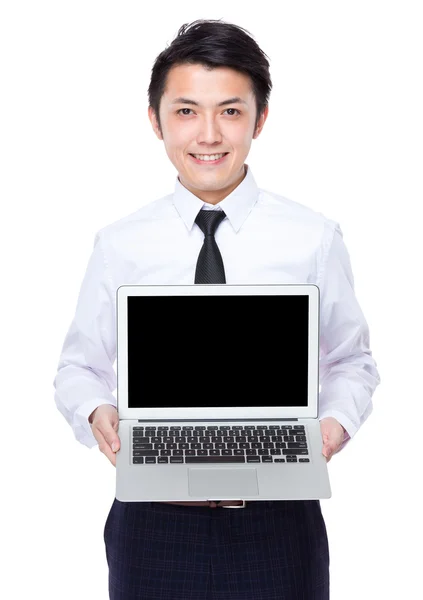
[217,393]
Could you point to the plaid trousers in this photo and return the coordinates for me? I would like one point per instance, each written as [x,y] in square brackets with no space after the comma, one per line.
[269,550]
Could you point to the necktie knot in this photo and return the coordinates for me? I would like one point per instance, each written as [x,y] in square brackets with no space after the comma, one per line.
[209,220]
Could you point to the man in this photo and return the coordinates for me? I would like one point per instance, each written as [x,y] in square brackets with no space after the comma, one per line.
[208,99]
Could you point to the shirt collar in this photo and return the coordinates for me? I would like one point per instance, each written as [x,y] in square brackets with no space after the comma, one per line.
[237,205]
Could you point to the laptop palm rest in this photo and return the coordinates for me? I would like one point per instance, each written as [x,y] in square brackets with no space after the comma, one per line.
[228,483]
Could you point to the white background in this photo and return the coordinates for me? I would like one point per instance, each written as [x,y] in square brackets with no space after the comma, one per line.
[343,136]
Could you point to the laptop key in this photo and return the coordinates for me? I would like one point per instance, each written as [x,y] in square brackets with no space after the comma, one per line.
[146,453]
[215,459]
[292,451]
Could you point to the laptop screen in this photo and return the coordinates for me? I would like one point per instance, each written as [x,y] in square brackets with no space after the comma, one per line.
[217,351]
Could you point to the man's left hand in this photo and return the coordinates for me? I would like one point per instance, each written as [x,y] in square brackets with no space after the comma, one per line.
[333,436]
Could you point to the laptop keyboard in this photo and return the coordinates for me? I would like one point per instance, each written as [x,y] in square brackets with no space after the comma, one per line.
[220,444]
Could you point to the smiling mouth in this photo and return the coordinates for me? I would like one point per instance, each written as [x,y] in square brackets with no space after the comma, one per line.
[208,161]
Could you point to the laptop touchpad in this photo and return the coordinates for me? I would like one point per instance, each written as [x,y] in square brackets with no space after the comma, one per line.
[232,484]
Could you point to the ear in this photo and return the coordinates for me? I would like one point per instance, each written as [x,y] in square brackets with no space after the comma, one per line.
[154,122]
[261,122]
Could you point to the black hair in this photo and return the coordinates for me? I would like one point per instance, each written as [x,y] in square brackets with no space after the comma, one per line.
[213,43]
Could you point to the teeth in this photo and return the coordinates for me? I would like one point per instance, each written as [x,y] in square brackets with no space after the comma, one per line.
[207,157]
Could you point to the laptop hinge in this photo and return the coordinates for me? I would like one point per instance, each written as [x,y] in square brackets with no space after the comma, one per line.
[213,420]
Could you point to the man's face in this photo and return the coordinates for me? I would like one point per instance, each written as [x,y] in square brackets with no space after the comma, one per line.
[207,128]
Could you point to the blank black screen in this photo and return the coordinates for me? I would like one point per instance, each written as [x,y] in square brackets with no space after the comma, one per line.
[207,351]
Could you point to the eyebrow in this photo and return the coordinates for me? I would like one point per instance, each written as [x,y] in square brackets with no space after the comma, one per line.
[234,100]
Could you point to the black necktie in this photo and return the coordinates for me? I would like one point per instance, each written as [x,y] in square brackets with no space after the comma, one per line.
[210,267]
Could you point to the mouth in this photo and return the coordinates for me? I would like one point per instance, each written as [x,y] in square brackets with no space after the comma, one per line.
[207,162]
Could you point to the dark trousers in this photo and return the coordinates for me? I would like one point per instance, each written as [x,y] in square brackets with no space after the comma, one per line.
[266,551]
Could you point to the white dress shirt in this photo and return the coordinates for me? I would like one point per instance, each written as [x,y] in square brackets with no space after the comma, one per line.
[265,238]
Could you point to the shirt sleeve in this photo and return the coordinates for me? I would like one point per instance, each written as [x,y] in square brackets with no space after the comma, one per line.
[348,371]
[85,374]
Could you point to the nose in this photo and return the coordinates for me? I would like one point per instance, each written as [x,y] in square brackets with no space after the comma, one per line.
[209,132]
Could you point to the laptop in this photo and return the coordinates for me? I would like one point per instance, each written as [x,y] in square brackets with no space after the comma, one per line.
[217,393]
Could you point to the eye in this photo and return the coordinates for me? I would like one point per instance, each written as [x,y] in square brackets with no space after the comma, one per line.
[185,114]
[178,111]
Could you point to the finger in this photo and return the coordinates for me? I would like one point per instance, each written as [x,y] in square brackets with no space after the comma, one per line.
[104,446]
[107,451]
[327,452]
[111,436]
[327,455]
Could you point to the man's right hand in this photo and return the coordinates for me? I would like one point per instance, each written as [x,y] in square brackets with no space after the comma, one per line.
[104,422]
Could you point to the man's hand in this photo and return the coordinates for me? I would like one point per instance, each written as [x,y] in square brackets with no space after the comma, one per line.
[333,436]
[104,424]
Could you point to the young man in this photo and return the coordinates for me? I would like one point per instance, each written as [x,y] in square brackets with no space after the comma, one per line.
[208,99]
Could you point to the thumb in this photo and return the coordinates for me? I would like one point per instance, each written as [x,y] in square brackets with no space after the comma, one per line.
[328,449]
[116,440]
[112,437]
